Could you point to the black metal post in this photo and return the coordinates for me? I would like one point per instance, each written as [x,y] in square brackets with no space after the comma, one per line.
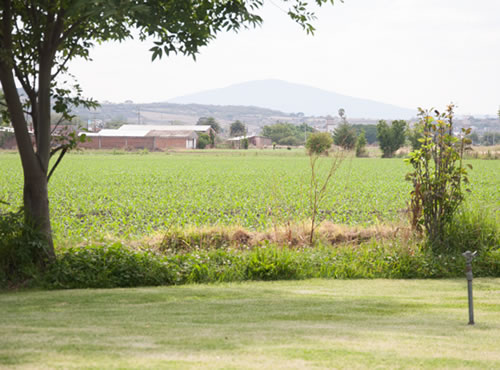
[469,256]
[471,303]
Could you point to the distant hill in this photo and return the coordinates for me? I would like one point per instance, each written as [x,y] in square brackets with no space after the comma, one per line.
[293,98]
[168,113]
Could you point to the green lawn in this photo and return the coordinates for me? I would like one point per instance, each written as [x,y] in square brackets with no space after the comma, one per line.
[299,324]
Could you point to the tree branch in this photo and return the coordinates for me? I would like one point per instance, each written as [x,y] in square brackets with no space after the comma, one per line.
[66,60]
[56,126]
[59,159]
[55,150]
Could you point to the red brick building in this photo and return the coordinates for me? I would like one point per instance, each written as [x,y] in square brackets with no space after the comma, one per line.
[151,137]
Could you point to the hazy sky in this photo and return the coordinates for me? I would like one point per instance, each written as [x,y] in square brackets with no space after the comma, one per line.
[405,52]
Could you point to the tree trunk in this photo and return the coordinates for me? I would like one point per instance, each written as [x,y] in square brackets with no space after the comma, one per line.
[36,209]
[36,203]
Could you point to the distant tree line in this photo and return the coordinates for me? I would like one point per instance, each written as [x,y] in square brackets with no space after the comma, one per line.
[287,133]
[390,137]
[488,138]
[369,130]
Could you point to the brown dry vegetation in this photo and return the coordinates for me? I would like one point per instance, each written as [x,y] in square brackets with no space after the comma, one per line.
[291,235]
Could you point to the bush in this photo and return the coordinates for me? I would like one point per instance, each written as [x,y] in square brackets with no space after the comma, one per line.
[471,230]
[21,250]
[361,145]
[270,263]
[244,143]
[318,143]
[289,140]
[203,141]
[438,176]
[119,266]
[415,136]
[107,267]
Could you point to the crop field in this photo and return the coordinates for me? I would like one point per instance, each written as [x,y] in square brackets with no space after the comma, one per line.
[130,196]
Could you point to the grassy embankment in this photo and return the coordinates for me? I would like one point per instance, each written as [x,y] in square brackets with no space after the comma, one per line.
[304,324]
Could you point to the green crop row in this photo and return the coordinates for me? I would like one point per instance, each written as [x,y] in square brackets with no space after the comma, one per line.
[97,197]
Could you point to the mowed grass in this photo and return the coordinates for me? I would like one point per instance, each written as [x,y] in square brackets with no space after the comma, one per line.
[130,196]
[304,324]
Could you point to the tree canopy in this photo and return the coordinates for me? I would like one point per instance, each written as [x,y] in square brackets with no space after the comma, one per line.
[392,137]
[318,143]
[237,128]
[369,130]
[344,136]
[209,121]
[287,133]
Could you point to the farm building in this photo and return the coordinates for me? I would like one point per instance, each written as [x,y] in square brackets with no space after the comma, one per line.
[151,137]
[256,141]
[205,129]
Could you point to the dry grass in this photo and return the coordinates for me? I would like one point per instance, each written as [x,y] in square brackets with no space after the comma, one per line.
[484,152]
[292,235]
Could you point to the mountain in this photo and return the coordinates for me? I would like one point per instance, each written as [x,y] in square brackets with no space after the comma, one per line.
[294,98]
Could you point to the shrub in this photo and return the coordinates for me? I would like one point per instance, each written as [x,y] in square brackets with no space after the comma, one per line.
[244,143]
[471,230]
[438,175]
[415,136]
[203,141]
[99,266]
[119,266]
[271,263]
[361,145]
[318,143]
[289,140]
[22,249]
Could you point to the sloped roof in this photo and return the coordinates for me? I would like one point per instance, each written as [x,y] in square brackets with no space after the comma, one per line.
[196,128]
[112,132]
[180,133]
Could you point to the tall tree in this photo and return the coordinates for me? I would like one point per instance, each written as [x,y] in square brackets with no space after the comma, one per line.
[209,121]
[237,128]
[392,137]
[38,38]
[344,134]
